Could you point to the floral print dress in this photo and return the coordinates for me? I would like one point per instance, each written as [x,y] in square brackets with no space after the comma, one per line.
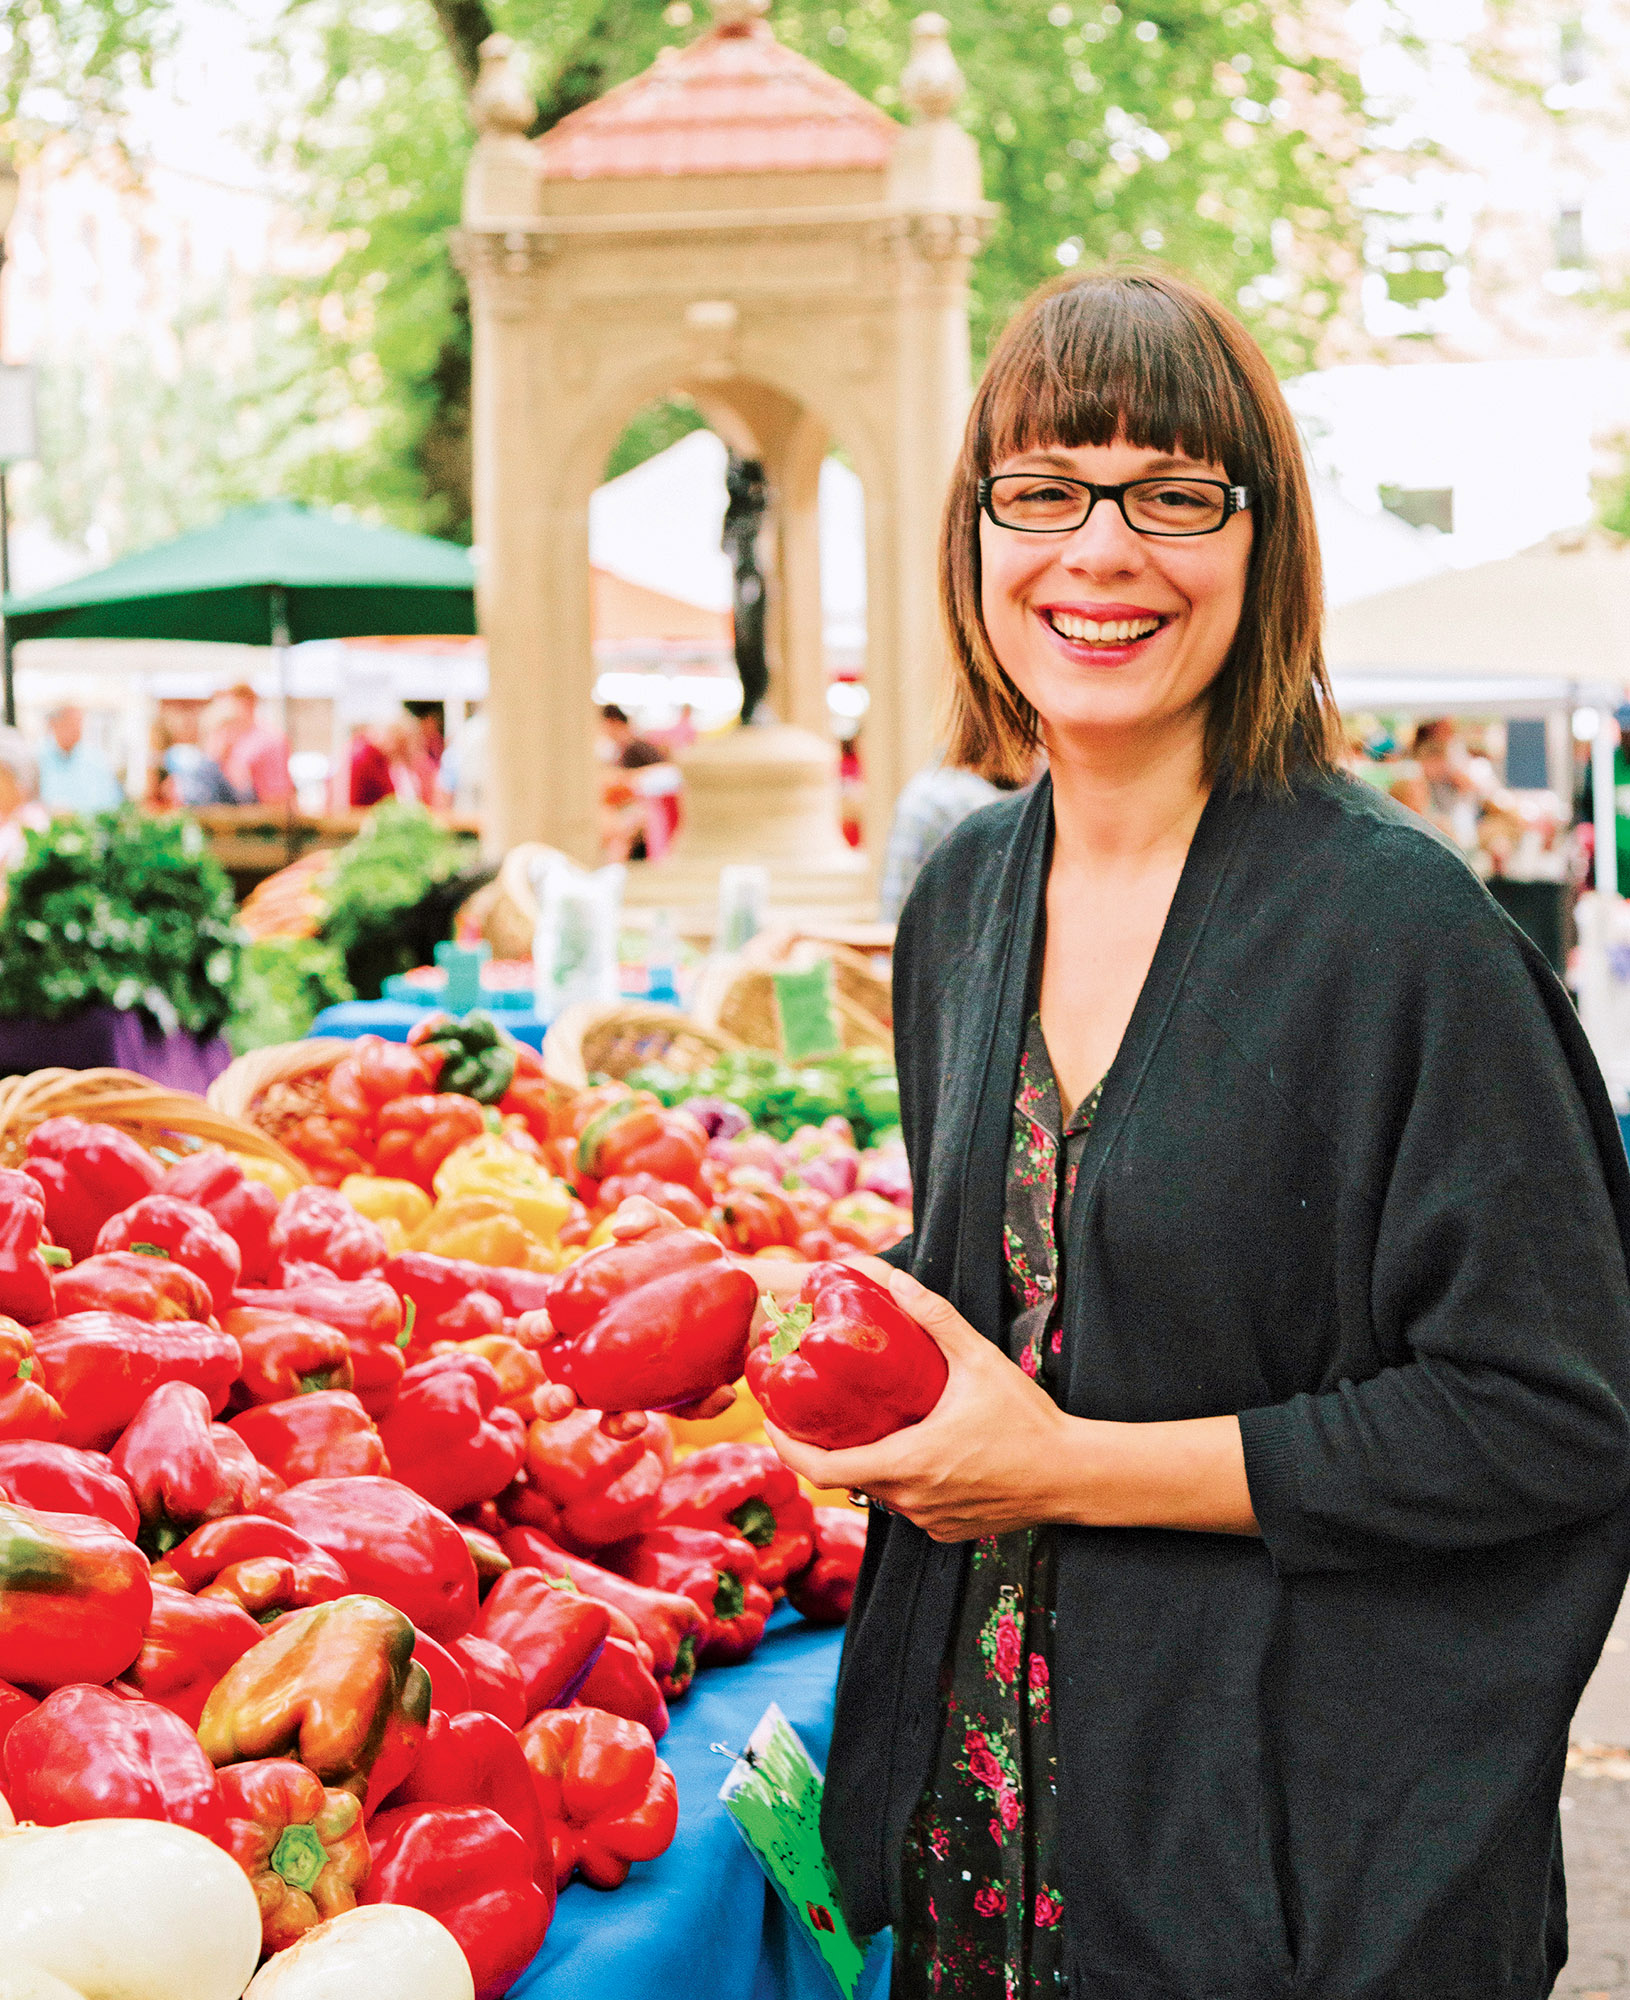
[982,1914]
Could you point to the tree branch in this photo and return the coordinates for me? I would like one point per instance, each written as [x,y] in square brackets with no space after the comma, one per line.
[466,24]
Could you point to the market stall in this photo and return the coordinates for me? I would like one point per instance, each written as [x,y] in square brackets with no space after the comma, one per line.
[336,1403]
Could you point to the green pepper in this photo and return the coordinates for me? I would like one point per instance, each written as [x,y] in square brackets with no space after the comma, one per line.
[478,1057]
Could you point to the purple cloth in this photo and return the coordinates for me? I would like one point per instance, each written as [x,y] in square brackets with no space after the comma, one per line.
[108,1038]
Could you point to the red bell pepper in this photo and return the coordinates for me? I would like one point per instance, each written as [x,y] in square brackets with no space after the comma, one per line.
[317,1225]
[27,1407]
[286,1354]
[717,1572]
[303,1847]
[245,1208]
[845,1365]
[183,1469]
[670,1626]
[473,1760]
[330,1148]
[636,1135]
[14,1705]
[751,1219]
[327,1435]
[520,1373]
[653,1324]
[102,1367]
[683,1203]
[621,1683]
[515,1290]
[449,1437]
[608,1799]
[185,1233]
[392,1543]
[335,1685]
[143,1287]
[25,1270]
[60,1479]
[552,1634]
[824,1591]
[188,1645]
[74,1598]
[368,1312]
[449,1684]
[744,1489]
[495,1682]
[450,1299]
[90,1753]
[469,1869]
[414,1135]
[86,1173]
[584,1488]
[262,1565]
[374,1072]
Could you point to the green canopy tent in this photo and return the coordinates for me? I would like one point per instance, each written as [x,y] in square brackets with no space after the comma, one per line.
[271,575]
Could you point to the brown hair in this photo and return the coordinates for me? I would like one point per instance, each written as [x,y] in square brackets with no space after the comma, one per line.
[1147,356]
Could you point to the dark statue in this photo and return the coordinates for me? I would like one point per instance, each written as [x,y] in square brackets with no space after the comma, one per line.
[749,499]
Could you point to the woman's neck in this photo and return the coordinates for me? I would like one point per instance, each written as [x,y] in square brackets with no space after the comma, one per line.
[1120,803]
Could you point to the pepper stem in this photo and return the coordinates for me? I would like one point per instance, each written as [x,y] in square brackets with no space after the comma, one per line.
[791,1323]
[729,1599]
[299,1856]
[754,1521]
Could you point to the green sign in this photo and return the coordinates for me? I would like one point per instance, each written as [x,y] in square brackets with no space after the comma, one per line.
[809,1027]
[773,1793]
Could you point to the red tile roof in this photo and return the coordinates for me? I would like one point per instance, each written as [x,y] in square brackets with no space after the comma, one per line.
[735,101]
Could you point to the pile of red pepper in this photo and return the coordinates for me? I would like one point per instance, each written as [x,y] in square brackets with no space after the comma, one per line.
[296,1550]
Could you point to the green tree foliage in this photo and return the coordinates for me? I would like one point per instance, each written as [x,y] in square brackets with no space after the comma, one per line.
[1219,136]
[71,64]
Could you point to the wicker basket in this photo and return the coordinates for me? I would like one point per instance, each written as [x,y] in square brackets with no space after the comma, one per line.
[588,1040]
[510,920]
[272,1089]
[736,996]
[149,1112]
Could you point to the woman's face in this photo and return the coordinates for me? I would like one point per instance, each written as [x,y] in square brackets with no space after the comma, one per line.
[1171,606]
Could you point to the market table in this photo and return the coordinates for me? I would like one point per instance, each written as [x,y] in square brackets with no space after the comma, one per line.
[702,1919]
[393,1019]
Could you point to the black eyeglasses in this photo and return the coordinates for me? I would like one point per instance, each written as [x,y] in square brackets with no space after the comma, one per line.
[1044,503]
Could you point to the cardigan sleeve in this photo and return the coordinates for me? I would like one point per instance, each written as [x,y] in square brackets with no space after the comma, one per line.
[1498,1284]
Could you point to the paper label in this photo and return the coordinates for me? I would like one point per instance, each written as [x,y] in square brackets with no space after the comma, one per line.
[773,1793]
[809,1027]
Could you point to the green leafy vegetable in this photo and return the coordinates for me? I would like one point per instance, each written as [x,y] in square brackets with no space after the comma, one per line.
[392,894]
[285,984]
[859,1085]
[125,910]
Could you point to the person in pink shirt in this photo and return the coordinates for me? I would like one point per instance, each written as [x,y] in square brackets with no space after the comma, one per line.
[253,758]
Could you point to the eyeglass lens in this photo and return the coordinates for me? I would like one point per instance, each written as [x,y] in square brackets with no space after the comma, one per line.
[1156,506]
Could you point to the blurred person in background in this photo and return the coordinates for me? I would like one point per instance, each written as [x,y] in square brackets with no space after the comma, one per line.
[253,759]
[934,802]
[386,761]
[461,778]
[183,774]
[20,810]
[72,776]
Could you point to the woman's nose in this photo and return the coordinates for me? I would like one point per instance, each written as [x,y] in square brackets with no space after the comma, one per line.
[1104,544]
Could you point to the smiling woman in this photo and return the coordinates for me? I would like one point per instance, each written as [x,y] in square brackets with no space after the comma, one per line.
[1221,1625]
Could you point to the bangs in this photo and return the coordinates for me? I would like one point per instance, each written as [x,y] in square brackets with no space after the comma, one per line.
[1118,356]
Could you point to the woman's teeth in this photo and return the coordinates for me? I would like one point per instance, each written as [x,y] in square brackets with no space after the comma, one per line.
[1112,632]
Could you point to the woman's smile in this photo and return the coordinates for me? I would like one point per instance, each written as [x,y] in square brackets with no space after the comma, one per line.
[1102,635]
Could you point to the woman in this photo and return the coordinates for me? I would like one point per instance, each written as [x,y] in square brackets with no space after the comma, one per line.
[1219,1631]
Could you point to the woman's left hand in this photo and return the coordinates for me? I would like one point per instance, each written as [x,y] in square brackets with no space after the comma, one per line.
[978,1464]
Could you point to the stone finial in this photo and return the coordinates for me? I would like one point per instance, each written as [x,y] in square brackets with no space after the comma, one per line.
[931,85]
[736,17]
[500,103]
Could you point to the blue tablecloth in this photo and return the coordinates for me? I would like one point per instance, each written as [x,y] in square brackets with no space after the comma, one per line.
[393,1019]
[702,1920]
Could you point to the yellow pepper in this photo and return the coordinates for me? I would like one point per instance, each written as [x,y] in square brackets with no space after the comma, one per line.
[492,1167]
[483,1231]
[398,1207]
[273,1173]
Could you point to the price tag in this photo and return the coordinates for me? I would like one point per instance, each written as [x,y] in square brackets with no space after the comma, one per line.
[773,1793]
[809,1027]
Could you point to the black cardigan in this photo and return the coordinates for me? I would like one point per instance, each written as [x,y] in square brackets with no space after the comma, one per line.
[1354,1176]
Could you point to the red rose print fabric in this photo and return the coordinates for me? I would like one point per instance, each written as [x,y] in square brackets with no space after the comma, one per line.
[982,1916]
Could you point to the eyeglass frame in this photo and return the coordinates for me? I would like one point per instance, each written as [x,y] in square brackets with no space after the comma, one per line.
[1236,500]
